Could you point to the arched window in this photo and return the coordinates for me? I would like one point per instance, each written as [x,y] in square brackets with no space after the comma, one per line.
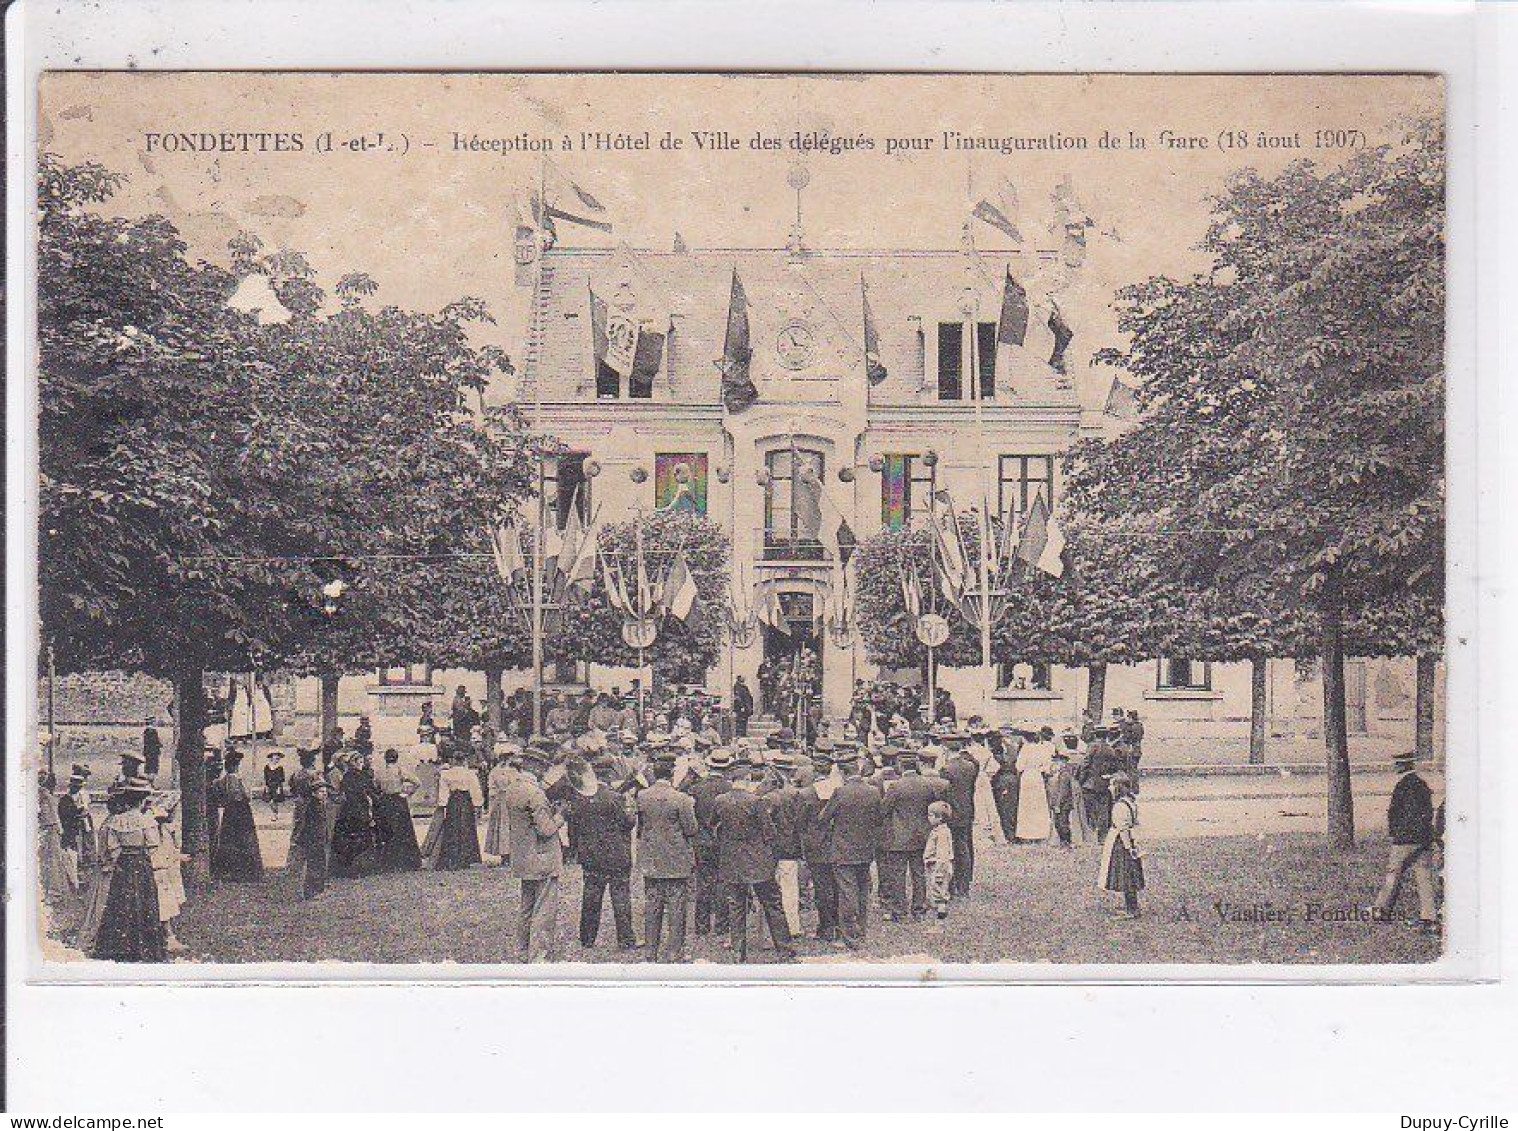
[793,503]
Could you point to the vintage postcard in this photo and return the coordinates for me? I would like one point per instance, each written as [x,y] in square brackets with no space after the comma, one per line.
[667,522]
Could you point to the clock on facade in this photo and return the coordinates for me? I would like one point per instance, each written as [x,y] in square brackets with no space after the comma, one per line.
[795,344]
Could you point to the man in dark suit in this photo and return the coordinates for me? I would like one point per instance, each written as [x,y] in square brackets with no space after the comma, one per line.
[852,817]
[785,805]
[744,828]
[743,707]
[711,907]
[667,857]
[600,824]
[960,771]
[1410,823]
[816,845]
[904,807]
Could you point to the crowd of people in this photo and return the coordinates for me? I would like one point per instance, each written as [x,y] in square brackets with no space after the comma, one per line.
[878,813]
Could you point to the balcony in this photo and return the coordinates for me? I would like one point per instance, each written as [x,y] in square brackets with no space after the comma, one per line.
[781,546]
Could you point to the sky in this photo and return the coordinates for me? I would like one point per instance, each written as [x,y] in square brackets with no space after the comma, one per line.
[431,221]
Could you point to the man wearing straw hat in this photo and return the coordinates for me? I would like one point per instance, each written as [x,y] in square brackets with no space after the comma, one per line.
[537,859]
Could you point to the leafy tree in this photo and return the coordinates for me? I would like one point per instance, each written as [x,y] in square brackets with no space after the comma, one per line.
[204,477]
[589,629]
[1295,401]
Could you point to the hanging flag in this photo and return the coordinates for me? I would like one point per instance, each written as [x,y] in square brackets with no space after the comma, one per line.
[614,336]
[911,594]
[874,370]
[1121,402]
[679,594]
[1052,560]
[544,222]
[738,390]
[767,609]
[847,543]
[1062,336]
[952,559]
[567,201]
[1035,532]
[988,213]
[506,549]
[581,569]
[1012,327]
[648,357]
[616,588]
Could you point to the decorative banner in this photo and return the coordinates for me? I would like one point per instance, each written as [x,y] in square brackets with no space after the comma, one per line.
[932,629]
[680,482]
[621,341]
[639,633]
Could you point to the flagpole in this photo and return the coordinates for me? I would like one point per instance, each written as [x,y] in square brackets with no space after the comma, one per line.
[977,398]
[537,421]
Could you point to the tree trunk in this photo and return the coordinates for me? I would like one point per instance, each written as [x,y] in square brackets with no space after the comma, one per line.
[190,757]
[328,707]
[1096,692]
[1341,802]
[1258,669]
[494,699]
[1424,727]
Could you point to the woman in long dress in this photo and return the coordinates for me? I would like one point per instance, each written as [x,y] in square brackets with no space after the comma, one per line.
[497,838]
[398,851]
[168,875]
[308,828]
[57,880]
[131,929]
[353,840]
[1122,868]
[1034,762]
[100,883]
[235,856]
[458,839]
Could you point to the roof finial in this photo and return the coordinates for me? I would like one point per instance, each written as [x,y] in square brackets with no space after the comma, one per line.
[798,178]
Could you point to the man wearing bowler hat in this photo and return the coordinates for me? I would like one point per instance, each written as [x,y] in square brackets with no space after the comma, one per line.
[905,809]
[852,817]
[536,858]
[960,770]
[744,828]
[816,844]
[667,834]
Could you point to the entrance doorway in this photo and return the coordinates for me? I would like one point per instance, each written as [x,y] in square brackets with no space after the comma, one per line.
[790,677]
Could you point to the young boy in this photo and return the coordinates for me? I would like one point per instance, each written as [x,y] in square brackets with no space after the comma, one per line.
[938,857]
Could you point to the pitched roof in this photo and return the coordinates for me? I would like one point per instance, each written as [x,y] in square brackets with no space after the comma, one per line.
[910,293]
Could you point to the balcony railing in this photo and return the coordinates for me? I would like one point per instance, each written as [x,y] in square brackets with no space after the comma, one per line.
[782,546]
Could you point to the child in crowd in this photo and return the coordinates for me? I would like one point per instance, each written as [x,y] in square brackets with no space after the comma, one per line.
[938,857]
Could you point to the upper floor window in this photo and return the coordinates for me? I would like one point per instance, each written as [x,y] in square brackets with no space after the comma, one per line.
[1021,479]
[952,364]
[1176,674]
[906,486]
[566,485]
[793,502]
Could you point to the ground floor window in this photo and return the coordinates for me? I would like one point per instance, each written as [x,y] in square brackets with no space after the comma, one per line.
[406,675]
[1036,676]
[1177,674]
[1021,479]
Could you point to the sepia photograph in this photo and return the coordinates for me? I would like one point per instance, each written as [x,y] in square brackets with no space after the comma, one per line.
[639,525]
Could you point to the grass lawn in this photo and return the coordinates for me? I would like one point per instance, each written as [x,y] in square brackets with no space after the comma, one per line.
[1029,904]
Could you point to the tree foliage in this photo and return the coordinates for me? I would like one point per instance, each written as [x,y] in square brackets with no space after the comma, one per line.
[591,630]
